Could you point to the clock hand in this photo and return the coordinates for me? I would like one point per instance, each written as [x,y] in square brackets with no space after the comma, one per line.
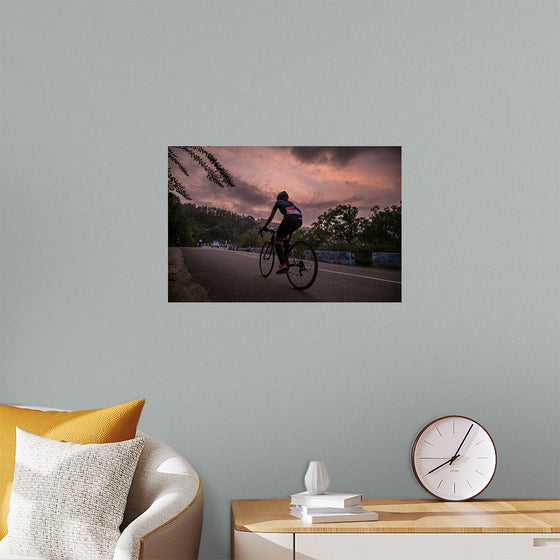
[461,445]
[443,464]
[456,455]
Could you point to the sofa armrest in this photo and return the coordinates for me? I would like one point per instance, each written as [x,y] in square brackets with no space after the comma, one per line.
[161,533]
[163,516]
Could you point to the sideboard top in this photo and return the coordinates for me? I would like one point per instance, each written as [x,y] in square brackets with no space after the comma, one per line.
[409,516]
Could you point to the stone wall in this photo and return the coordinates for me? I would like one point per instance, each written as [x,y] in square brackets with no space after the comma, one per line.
[386,259]
[336,257]
[342,257]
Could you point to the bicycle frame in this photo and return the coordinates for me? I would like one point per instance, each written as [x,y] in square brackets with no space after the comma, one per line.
[273,241]
[273,235]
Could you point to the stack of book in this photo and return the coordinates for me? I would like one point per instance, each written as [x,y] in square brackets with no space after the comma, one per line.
[330,507]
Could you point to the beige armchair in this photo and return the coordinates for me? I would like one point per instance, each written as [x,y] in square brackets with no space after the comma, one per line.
[163,516]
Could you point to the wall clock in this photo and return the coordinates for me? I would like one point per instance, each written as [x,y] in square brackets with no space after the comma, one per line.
[454,458]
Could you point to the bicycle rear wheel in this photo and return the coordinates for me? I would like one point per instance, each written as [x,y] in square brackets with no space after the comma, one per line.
[266,259]
[302,265]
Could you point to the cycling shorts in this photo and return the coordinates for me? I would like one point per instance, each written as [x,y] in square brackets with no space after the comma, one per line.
[289,224]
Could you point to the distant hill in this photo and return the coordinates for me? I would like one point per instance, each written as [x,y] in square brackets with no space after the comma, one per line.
[188,223]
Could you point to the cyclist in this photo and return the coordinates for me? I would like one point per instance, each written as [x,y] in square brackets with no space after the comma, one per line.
[292,220]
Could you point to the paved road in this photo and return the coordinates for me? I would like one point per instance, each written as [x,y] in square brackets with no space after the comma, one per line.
[235,276]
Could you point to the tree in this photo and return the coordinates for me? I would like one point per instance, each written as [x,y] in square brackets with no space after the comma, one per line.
[337,226]
[215,172]
[250,238]
[383,228]
[182,229]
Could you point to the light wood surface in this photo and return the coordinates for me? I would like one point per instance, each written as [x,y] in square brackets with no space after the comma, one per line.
[409,516]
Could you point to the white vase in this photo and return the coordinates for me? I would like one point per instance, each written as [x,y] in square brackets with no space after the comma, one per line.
[316,478]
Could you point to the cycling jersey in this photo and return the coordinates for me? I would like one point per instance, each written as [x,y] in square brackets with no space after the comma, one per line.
[287,208]
[292,219]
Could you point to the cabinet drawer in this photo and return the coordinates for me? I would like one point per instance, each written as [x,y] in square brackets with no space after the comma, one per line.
[262,546]
[427,546]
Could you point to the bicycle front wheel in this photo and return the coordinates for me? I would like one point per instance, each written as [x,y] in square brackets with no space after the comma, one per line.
[266,259]
[302,265]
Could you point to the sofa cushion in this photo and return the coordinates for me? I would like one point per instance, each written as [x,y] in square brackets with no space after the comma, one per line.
[68,499]
[104,425]
[16,557]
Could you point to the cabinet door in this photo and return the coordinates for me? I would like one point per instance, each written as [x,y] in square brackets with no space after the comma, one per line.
[427,546]
[262,546]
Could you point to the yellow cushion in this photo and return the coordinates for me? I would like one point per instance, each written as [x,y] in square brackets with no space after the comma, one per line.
[104,425]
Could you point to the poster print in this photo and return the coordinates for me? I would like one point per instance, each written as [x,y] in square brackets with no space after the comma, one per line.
[284,224]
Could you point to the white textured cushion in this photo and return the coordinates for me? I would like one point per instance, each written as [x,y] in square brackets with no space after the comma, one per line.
[17,557]
[68,499]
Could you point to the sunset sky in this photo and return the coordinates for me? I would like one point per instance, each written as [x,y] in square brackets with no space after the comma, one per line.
[316,178]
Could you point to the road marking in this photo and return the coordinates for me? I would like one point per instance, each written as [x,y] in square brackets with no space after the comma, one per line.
[255,256]
[360,276]
[252,255]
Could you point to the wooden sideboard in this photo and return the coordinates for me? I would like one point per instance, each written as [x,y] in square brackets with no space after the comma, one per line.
[406,529]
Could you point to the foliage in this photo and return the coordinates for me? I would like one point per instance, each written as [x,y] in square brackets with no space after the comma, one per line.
[340,229]
[250,238]
[215,172]
[182,229]
[383,229]
[337,226]
[190,223]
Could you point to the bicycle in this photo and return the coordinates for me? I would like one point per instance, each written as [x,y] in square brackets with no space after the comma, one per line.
[300,259]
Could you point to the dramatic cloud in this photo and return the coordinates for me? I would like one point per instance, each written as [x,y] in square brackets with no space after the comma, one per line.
[317,178]
[335,156]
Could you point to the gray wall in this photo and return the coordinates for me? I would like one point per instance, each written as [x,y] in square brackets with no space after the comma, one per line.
[92,93]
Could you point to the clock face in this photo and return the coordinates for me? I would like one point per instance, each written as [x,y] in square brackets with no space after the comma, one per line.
[454,458]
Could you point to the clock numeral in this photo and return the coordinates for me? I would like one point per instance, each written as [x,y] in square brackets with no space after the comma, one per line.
[470,486]
[479,442]
[482,474]
[440,483]
[438,432]
[426,441]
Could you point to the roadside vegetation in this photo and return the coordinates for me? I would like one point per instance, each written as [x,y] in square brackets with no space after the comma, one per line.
[337,229]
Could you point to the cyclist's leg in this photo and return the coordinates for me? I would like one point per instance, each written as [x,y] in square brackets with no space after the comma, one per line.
[281,239]
[294,224]
[287,227]
[279,246]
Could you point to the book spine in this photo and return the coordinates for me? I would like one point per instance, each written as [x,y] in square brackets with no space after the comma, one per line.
[317,502]
[341,518]
[317,510]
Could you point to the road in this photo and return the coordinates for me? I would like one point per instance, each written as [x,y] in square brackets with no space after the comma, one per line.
[235,277]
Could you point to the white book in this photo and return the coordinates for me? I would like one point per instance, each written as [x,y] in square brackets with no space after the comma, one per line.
[312,510]
[364,515]
[328,499]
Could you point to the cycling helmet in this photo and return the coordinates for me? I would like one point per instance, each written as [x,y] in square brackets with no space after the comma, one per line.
[282,195]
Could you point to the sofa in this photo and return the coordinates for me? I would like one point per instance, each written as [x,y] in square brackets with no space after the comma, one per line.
[164,509]
[163,516]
